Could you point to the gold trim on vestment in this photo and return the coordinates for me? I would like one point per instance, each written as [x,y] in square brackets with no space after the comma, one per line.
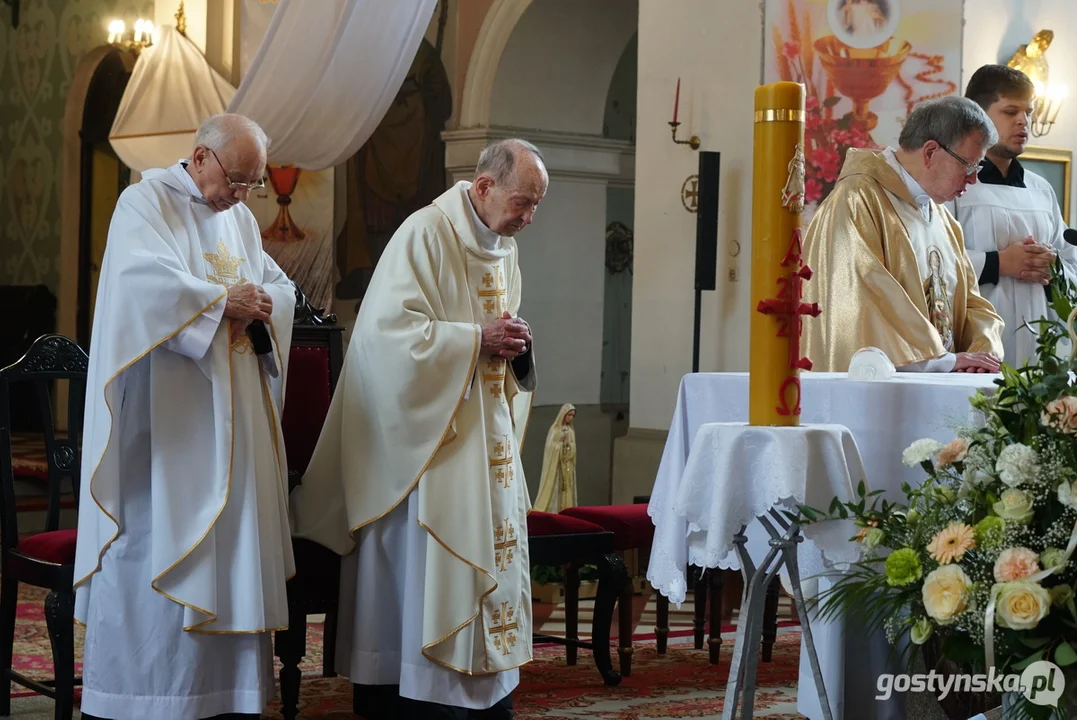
[441,444]
[112,424]
[779,115]
[213,522]
[478,614]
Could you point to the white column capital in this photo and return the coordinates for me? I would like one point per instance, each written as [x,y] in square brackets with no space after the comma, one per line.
[574,156]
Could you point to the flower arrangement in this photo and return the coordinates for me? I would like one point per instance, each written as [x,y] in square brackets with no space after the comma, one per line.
[980,557]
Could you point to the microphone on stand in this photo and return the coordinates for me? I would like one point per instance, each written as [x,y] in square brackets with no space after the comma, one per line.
[1070,236]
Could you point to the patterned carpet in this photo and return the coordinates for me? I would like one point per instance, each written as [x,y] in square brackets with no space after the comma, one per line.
[681,684]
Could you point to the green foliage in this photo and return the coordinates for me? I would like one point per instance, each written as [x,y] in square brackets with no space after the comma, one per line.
[996,504]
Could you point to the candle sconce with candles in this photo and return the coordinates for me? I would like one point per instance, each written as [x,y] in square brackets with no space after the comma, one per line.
[140,37]
[692,142]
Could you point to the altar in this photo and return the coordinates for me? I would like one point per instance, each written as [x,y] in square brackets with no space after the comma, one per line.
[884,418]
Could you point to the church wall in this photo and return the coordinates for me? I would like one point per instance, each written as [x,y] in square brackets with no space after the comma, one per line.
[37,63]
[716,50]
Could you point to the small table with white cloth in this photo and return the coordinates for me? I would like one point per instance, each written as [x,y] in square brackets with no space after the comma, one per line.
[884,417]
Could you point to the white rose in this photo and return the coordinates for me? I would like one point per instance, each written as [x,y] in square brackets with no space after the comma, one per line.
[1067,494]
[921,451]
[946,593]
[1020,605]
[1015,505]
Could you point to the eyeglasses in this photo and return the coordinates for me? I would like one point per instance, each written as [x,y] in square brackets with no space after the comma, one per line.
[969,169]
[257,185]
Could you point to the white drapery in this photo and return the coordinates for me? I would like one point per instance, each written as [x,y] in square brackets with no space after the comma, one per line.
[171,91]
[327,72]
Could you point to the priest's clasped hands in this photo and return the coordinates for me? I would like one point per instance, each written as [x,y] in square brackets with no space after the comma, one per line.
[245,304]
[506,337]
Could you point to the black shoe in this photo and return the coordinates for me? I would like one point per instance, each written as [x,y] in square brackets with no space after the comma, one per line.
[501,710]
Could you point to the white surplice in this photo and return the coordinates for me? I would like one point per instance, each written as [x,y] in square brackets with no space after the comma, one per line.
[184,545]
[994,217]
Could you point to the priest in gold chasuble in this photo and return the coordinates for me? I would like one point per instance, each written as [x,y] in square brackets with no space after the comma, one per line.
[891,270]
[416,476]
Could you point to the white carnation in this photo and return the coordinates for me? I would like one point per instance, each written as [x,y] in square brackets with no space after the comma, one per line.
[1067,495]
[920,452]
[1017,464]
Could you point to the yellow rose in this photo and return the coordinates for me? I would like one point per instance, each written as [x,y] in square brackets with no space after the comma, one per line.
[1020,605]
[946,593]
[1014,505]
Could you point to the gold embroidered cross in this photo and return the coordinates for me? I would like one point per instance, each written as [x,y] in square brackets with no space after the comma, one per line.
[225,265]
[496,376]
[502,462]
[504,542]
[495,293]
[504,631]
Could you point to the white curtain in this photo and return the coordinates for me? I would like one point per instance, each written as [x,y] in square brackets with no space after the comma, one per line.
[171,91]
[326,74]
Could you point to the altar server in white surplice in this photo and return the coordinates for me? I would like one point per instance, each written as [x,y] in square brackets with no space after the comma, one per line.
[183,537]
[418,462]
[1011,219]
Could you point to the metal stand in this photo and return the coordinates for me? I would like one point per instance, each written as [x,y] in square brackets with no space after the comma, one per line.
[745,664]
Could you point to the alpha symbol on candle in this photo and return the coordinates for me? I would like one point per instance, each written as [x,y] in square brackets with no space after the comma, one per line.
[791,311]
[793,192]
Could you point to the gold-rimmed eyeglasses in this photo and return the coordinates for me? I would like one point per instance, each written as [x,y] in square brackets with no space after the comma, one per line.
[969,169]
[233,185]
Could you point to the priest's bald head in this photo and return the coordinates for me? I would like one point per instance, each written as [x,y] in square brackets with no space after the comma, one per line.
[229,159]
[942,143]
[510,182]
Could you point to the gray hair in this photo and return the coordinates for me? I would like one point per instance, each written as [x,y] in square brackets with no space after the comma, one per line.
[946,120]
[498,159]
[219,131]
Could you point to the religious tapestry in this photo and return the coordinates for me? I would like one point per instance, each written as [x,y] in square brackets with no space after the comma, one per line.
[865,64]
[399,170]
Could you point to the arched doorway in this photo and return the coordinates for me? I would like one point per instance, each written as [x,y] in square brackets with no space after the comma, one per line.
[102,178]
[93,177]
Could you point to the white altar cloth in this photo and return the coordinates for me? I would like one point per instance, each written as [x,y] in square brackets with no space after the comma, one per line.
[884,418]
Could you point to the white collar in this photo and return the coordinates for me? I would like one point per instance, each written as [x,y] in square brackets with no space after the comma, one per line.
[923,200]
[488,239]
[180,169]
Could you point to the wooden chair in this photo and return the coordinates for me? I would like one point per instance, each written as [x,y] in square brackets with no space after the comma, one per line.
[557,540]
[315,360]
[633,530]
[46,559]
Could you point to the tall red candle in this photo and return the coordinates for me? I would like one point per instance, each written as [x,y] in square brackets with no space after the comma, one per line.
[677,100]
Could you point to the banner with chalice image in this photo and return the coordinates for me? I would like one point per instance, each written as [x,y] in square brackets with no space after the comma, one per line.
[864,64]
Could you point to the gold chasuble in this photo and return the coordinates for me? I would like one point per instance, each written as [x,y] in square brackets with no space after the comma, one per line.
[418,408]
[889,277]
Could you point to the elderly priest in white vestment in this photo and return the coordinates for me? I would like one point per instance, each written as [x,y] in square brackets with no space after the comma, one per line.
[418,463]
[1012,223]
[183,537]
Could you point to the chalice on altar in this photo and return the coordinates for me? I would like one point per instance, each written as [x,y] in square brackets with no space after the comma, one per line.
[862,74]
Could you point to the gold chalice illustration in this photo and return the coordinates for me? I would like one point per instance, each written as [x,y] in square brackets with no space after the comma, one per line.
[862,74]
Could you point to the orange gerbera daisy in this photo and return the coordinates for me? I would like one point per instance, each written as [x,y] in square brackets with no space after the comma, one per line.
[951,543]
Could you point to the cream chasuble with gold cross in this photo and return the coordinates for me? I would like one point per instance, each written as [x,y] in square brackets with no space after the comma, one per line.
[419,464]
[183,538]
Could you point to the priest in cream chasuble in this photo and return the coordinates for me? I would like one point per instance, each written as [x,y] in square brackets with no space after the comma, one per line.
[184,543]
[417,471]
[1011,219]
[890,266]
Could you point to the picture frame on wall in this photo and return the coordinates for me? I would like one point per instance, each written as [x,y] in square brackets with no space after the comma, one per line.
[1055,165]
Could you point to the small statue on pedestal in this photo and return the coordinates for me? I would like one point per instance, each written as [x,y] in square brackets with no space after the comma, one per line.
[557,490]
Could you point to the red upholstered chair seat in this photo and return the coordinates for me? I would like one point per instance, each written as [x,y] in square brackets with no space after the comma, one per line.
[544,523]
[630,524]
[306,403]
[57,546]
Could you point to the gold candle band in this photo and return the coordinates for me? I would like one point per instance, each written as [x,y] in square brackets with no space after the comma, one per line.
[779,115]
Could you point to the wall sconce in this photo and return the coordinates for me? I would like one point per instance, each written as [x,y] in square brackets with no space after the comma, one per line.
[140,37]
[1045,108]
[692,142]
